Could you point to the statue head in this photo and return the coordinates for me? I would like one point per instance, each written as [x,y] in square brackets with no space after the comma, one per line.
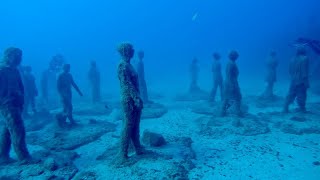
[301,50]
[56,62]
[273,54]
[93,64]
[126,51]
[195,60]
[141,55]
[233,55]
[66,68]
[12,57]
[216,56]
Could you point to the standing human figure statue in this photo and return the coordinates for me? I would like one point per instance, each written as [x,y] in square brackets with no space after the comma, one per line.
[217,77]
[12,131]
[30,89]
[271,76]
[64,84]
[299,73]
[49,78]
[142,83]
[232,94]
[94,79]
[131,102]
[194,72]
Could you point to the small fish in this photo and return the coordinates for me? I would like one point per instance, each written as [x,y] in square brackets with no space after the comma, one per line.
[195,16]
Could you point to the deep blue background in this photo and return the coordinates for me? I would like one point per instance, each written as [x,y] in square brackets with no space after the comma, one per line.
[84,30]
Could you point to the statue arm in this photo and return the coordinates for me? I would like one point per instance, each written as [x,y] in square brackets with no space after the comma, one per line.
[75,86]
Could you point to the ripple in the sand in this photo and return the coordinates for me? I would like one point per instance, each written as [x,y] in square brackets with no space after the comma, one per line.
[221,127]
[69,139]
[173,161]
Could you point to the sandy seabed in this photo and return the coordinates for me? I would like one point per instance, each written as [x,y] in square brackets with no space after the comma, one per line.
[265,144]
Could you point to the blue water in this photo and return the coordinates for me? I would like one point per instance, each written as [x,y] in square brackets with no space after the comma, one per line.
[83,30]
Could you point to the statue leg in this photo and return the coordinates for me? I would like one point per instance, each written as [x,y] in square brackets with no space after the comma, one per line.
[5,143]
[136,131]
[290,98]
[17,132]
[128,124]
[302,97]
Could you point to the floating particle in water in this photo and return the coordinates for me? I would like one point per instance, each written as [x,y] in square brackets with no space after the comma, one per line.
[195,16]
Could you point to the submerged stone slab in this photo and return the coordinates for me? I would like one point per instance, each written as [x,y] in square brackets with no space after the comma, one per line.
[38,121]
[93,110]
[54,138]
[298,123]
[88,110]
[51,165]
[174,161]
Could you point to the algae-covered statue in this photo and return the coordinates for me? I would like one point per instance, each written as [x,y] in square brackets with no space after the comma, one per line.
[299,73]
[232,92]
[142,82]
[94,79]
[217,77]
[30,90]
[48,78]
[11,107]
[131,101]
[194,72]
[271,76]
[64,83]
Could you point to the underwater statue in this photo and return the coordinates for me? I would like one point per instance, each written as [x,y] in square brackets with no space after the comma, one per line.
[194,72]
[64,83]
[299,73]
[30,90]
[232,92]
[94,79]
[142,83]
[314,45]
[49,77]
[271,76]
[217,77]
[11,106]
[131,102]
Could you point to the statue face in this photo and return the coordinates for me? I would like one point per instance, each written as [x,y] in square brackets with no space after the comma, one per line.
[66,68]
[216,56]
[233,55]
[126,51]
[13,57]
